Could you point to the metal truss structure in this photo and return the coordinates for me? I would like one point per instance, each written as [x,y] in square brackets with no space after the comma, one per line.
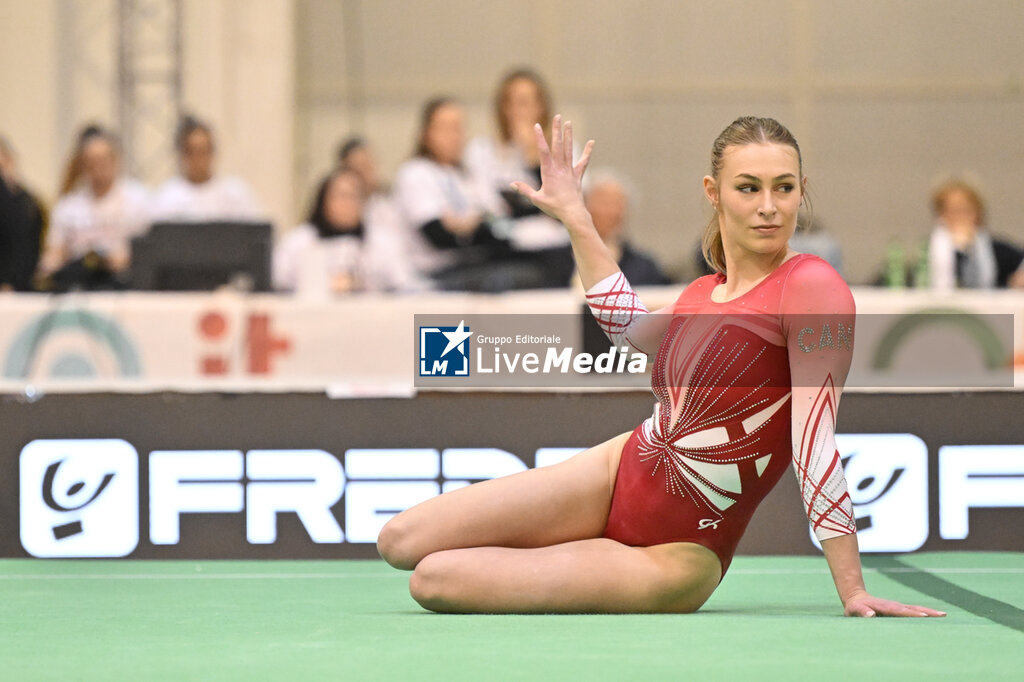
[121,64]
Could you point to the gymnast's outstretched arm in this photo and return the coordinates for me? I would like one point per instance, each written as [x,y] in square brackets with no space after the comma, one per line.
[615,306]
[561,197]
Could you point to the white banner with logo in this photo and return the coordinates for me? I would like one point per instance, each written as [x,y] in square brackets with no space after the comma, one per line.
[367,345]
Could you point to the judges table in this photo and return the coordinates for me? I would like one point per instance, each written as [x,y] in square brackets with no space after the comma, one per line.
[366,345]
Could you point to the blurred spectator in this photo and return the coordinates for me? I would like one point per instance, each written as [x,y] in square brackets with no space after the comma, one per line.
[380,211]
[607,197]
[198,194]
[521,101]
[436,200]
[22,225]
[87,244]
[961,251]
[73,168]
[355,153]
[337,249]
[607,200]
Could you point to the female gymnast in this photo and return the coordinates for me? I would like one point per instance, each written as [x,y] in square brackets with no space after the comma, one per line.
[749,366]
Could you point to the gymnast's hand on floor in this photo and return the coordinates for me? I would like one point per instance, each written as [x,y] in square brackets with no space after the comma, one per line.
[561,190]
[864,605]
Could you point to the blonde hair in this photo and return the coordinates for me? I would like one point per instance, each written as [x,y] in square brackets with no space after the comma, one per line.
[942,192]
[743,131]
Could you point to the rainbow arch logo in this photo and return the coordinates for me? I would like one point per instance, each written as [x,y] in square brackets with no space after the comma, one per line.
[68,344]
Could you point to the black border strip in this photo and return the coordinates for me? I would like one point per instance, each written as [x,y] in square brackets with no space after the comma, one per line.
[930,584]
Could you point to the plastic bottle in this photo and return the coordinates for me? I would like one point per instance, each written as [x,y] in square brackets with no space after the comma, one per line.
[895,270]
[922,276]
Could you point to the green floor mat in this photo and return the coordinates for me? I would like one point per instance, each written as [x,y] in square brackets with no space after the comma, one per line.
[773,618]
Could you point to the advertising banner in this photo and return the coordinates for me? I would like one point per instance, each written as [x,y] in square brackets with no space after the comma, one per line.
[166,476]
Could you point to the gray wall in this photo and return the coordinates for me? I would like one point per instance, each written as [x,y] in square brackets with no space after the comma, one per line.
[885,97]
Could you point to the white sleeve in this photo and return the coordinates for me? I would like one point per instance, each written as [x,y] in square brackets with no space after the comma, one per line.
[240,200]
[481,165]
[617,308]
[166,200]
[418,193]
[138,199]
[818,314]
[389,265]
[60,219]
[287,258]
[941,259]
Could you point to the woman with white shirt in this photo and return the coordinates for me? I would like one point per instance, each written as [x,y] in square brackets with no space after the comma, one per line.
[338,249]
[961,251]
[88,243]
[198,194]
[444,212]
[521,102]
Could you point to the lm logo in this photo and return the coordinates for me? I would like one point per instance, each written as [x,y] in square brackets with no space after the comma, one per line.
[79,498]
[444,351]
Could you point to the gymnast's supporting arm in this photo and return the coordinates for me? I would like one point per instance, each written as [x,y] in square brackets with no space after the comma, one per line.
[818,305]
[843,558]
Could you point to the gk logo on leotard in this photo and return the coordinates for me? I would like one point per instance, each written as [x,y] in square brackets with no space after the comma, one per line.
[708,523]
[444,351]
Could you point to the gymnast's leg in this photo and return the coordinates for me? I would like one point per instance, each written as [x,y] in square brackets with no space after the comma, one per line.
[535,508]
[585,576]
[531,543]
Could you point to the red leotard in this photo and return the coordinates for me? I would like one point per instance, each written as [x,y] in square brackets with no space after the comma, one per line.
[744,388]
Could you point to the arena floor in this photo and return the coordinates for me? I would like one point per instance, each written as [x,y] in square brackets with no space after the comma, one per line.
[772,619]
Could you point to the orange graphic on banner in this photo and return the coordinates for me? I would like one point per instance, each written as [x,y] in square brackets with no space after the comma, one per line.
[261,344]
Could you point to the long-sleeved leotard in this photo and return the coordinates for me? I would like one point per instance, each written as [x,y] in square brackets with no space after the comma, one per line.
[744,388]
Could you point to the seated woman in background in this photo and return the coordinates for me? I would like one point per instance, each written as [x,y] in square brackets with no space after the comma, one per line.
[355,154]
[88,243]
[440,206]
[336,250]
[379,210]
[521,102]
[197,194]
[961,251]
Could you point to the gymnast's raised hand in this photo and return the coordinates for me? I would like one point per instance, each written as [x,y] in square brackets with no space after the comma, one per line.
[561,191]
[561,196]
